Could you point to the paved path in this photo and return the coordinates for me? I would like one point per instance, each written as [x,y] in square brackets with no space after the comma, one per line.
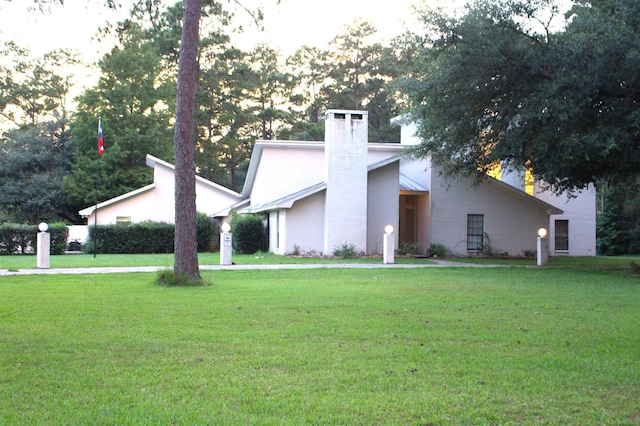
[129,269]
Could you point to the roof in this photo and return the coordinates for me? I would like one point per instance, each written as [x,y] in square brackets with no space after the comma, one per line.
[408,184]
[549,208]
[394,149]
[287,201]
[151,161]
[89,210]
[237,206]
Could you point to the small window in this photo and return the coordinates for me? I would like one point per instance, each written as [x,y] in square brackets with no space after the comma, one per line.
[562,235]
[339,116]
[123,220]
[356,116]
[475,232]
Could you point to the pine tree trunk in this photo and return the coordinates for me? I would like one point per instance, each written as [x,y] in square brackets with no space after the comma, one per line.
[186,248]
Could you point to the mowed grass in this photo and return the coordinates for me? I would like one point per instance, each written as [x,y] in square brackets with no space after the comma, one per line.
[385,346]
[114,260]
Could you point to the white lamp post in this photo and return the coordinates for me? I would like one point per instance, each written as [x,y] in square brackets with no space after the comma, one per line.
[388,245]
[43,246]
[543,248]
[226,249]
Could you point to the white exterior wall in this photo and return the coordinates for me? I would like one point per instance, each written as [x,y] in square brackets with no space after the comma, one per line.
[157,204]
[510,223]
[164,199]
[305,225]
[284,170]
[346,142]
[382,204]
[140,208]
[580,211]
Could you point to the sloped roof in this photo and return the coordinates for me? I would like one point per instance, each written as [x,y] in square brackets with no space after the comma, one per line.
[408,184]
[549,208]
[287,201]
[151,161]
[89,210]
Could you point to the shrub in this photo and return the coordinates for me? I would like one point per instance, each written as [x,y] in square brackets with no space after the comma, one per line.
[248,233]
[437,250]
[205,229]
[408,248]
[345,251]
[17,239]
[144,237]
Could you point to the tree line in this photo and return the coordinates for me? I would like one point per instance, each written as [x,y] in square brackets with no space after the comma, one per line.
[524,81]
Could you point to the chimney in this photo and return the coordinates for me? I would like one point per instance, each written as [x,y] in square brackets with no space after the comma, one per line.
[345,158]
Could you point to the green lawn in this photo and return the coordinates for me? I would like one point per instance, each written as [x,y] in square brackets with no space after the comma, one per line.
[428,346]
[87,260]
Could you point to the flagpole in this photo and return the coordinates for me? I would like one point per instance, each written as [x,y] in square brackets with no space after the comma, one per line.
[95,213]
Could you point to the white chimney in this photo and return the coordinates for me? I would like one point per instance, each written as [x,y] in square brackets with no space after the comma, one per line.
[345,158]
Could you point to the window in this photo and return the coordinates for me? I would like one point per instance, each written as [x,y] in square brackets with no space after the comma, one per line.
[123,220]
[475,232]
[562,235]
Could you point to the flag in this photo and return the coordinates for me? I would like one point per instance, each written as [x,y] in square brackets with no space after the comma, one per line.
[100,141]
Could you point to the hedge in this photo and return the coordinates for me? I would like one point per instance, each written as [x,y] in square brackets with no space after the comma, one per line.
[248,233]
[21,239]
[145,237]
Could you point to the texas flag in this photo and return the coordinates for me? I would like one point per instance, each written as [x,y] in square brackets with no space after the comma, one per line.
[100,141]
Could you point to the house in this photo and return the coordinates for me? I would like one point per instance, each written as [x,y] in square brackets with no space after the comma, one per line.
[155,202]
[319,196]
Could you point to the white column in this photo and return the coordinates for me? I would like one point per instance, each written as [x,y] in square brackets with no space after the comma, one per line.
[43,247]
[226,246]
[389,243]
[543,251]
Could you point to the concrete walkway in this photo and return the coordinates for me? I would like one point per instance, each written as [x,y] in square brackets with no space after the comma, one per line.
[130,269]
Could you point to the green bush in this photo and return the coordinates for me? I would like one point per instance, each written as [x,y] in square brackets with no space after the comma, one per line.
[345,251]
[144,237]
[437,250]
[205,229]
[18,239]
[248,233]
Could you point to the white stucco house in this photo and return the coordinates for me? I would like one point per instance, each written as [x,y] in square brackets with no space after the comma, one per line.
[155,202]
[320,195]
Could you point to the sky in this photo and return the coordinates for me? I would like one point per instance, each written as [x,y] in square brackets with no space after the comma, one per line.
[289,25]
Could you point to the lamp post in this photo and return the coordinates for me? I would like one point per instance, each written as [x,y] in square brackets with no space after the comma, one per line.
[43,246]
[542,248]
[388,245]
[226,248]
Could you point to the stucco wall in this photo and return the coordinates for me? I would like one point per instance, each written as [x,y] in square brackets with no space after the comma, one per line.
[284,171]
[304,226]
[580,211]
[382,203]
[139,208]
[510,223]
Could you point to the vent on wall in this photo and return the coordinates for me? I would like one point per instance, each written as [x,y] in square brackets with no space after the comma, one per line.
[343,116]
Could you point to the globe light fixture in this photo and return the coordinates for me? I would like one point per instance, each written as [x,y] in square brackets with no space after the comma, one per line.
[388,229]
[226,227]
[43,227]
[542,232]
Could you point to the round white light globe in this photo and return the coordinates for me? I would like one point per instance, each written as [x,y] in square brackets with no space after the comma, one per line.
[542,232]
[388,229]
[226,227]
[43,227]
